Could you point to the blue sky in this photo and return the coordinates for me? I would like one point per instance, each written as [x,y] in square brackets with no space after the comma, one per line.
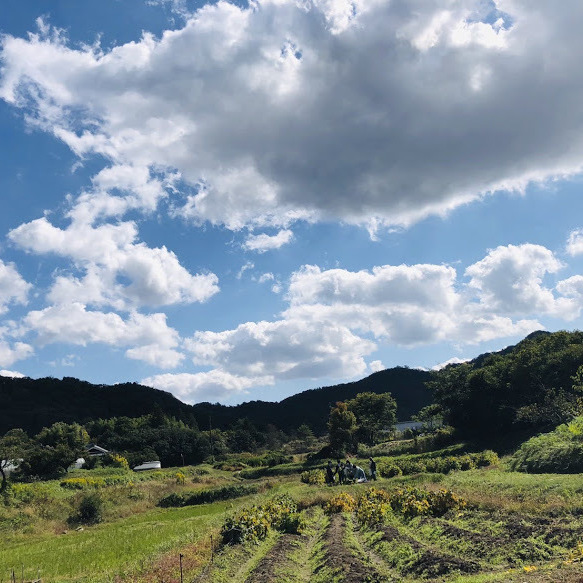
[236,201]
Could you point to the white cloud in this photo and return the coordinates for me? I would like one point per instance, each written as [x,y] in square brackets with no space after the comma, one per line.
[284,349]
[149,337]
[10,352]
[106,253]
[265,277]
[262,243]
[213,385]
[268,122]
[575,242]
[13,288]
[509,281]
[376,366]
[454,360]
[245,267]
[11,373]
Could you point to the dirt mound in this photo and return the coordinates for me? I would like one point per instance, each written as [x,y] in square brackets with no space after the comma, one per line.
[265,572]
[341,560]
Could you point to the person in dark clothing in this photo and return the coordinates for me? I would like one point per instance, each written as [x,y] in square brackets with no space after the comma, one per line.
[340,471]
[348,472]
[373,469]
[329,473]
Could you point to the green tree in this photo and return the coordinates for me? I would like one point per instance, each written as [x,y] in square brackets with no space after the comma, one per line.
[13,447]
[374,412]
[73,436]
[306,435]
[341,428]
[55,449]
[431,417]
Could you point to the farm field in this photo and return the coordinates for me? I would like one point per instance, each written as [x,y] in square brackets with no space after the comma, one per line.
[491,524]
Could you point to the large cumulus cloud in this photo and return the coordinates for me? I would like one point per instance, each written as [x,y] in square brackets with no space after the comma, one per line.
[378,112]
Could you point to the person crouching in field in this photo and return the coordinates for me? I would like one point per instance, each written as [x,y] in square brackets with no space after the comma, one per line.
[329,474]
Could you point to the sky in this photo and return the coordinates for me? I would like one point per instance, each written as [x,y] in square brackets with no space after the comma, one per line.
[240,201]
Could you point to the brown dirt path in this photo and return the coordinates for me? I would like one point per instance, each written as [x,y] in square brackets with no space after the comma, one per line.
[266,570]
[340,559]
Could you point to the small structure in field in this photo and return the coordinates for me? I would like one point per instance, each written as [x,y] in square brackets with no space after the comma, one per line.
[154,465]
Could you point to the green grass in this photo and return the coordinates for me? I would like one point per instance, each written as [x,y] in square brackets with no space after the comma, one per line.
[99,552]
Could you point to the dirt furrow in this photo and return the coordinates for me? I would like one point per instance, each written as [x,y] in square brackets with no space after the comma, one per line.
[340,560]
[275,560]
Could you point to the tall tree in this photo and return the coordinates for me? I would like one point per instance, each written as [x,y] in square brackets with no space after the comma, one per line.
[374,413]
[13,447]
[341,428]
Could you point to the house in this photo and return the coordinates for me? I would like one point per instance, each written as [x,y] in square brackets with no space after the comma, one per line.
[95,450]
[155,465]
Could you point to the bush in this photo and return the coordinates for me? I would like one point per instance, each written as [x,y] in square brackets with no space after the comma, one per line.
[342,502]
[90,509]
[254,523]
[114,460]
[313,477]
[560,451]
[389,470]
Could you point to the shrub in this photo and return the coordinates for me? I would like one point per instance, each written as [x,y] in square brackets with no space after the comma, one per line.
[560,451]
[90,509]
[254,523]
[373,507]
[180,478]
[342,502]
[314,477]
[115,460]
[82,483]
[416,502]
[389,470]
[486,458]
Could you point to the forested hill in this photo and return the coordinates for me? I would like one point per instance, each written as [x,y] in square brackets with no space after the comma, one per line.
[33,404]
[312,407]
[530,387]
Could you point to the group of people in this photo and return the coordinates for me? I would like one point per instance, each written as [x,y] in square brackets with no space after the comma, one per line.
[349,473]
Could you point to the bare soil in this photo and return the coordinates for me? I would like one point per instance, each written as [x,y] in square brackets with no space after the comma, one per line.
[265,572]
[341,559]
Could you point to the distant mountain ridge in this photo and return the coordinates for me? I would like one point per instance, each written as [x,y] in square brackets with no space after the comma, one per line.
[36,403]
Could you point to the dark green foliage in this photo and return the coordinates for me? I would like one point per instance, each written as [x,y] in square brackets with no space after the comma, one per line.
[560,451]
[374,413]
[151,437]
[72,400]
[13,446]
[407,465]
[341,429]
[525,387]
[90,510]
[206,496]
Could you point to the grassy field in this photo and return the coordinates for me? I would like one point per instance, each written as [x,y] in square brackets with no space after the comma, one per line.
[502,526]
